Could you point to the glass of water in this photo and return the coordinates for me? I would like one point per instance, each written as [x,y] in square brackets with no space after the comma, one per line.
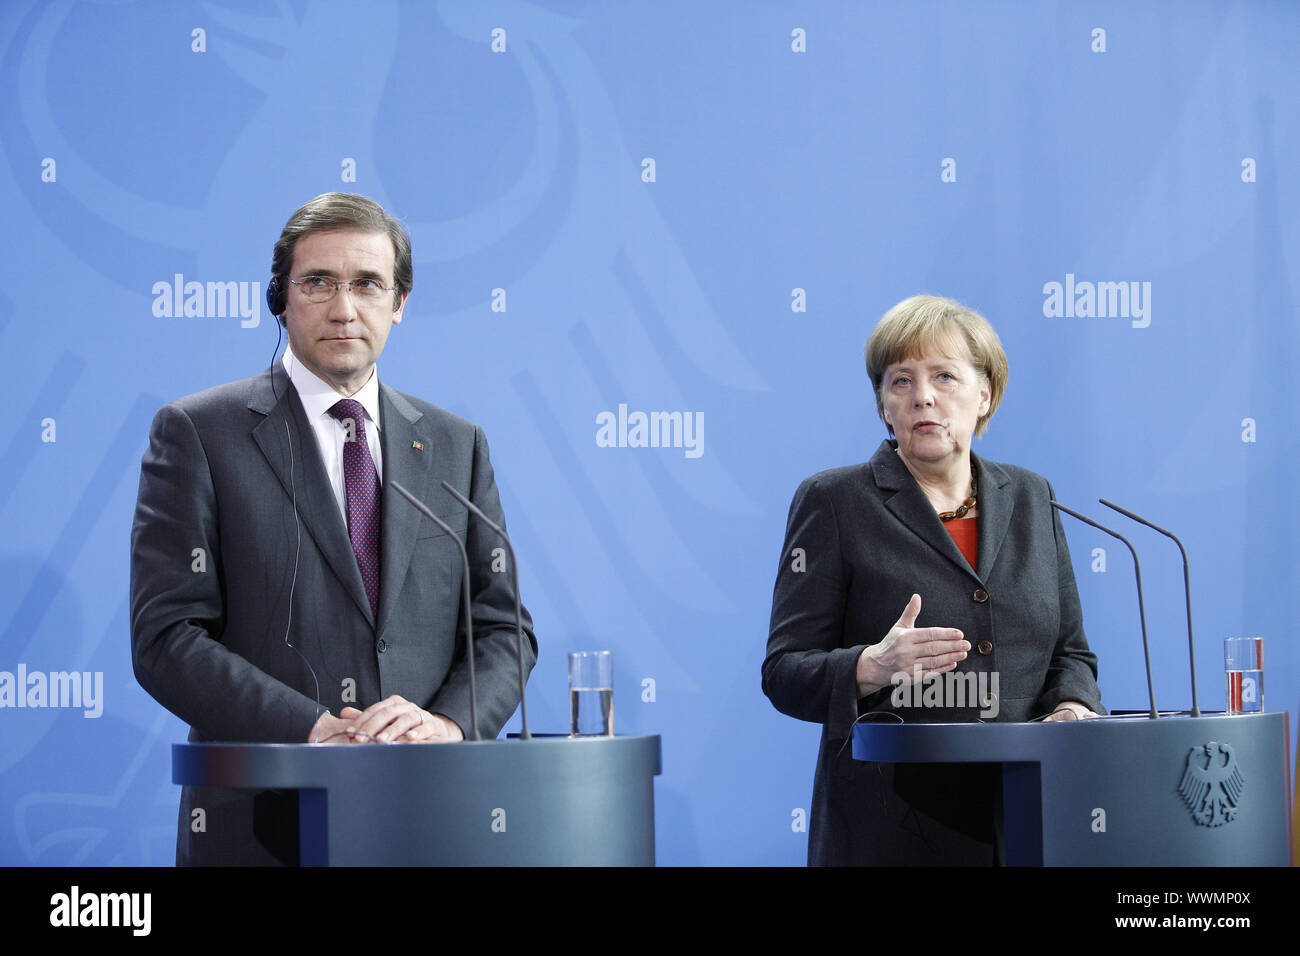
[1243,664]
[591,694]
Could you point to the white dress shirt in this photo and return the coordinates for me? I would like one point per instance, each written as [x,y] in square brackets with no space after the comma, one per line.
[317,397]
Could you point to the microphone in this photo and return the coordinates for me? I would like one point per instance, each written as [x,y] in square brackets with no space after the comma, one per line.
[1187,590]
[465,602]
[1146,647]
[514,583]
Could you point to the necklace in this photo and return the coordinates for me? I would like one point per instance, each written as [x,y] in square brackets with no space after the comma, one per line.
[966,505]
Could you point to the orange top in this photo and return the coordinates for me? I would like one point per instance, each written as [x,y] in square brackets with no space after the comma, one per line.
[966,532]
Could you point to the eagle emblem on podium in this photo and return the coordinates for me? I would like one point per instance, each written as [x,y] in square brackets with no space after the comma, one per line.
[1212,784]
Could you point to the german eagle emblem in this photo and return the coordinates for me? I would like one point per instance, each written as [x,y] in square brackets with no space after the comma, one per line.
[1212,784]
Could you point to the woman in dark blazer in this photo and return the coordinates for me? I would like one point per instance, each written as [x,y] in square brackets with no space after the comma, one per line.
[927,564]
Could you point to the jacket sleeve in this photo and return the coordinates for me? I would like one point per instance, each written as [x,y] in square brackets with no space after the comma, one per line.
[808,673]
[178,612]
[492,612]
[1072,673]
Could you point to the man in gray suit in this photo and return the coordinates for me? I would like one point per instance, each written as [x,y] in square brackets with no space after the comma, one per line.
[281,591]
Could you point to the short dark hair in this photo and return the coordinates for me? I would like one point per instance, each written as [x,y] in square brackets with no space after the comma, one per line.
[331,211]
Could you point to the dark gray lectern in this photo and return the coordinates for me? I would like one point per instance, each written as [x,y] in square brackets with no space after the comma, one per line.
[542,802]
[1121,791]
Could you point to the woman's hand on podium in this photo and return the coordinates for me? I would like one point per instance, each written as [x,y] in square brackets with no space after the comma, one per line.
[1070,710]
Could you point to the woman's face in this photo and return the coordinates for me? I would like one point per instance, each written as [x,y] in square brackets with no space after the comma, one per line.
[933,404]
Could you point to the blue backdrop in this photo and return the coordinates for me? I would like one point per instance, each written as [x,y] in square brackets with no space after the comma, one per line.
[678,206]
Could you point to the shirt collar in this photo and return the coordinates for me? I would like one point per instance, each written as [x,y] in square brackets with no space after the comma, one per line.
[318,396]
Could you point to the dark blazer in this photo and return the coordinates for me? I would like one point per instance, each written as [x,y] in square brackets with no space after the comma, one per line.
[859,542]
[248,614]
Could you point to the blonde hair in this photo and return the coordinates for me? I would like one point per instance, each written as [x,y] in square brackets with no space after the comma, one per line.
[923,322]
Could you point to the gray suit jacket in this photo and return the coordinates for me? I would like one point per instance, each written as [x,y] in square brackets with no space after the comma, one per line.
[248,614]
[870,539]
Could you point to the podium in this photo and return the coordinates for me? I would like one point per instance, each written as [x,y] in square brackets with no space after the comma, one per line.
[550,801]
[1117,791]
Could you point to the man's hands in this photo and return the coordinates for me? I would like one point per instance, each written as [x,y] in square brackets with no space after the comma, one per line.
[936,649]
[329,729]
[395,720]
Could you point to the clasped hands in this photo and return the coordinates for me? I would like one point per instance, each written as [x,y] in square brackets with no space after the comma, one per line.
[394,720]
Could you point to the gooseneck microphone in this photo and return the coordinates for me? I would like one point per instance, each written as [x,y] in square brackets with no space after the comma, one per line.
[1137,569]
[1187,590]
[514,583]
[465,602]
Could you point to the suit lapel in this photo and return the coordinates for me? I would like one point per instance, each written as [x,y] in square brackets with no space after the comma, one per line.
[996,506]
[416,459]
[306,481]
[905,499]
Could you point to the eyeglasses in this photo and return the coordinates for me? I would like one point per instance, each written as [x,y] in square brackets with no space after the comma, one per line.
[322,288]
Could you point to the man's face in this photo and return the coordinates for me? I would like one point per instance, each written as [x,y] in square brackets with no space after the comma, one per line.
[340,339]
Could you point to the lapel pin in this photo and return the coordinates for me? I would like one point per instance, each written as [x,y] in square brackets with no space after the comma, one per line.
[418,445]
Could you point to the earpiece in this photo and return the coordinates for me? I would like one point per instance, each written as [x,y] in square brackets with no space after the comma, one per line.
[275,296]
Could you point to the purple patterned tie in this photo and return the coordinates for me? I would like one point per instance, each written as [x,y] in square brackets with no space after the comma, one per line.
[361,482]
